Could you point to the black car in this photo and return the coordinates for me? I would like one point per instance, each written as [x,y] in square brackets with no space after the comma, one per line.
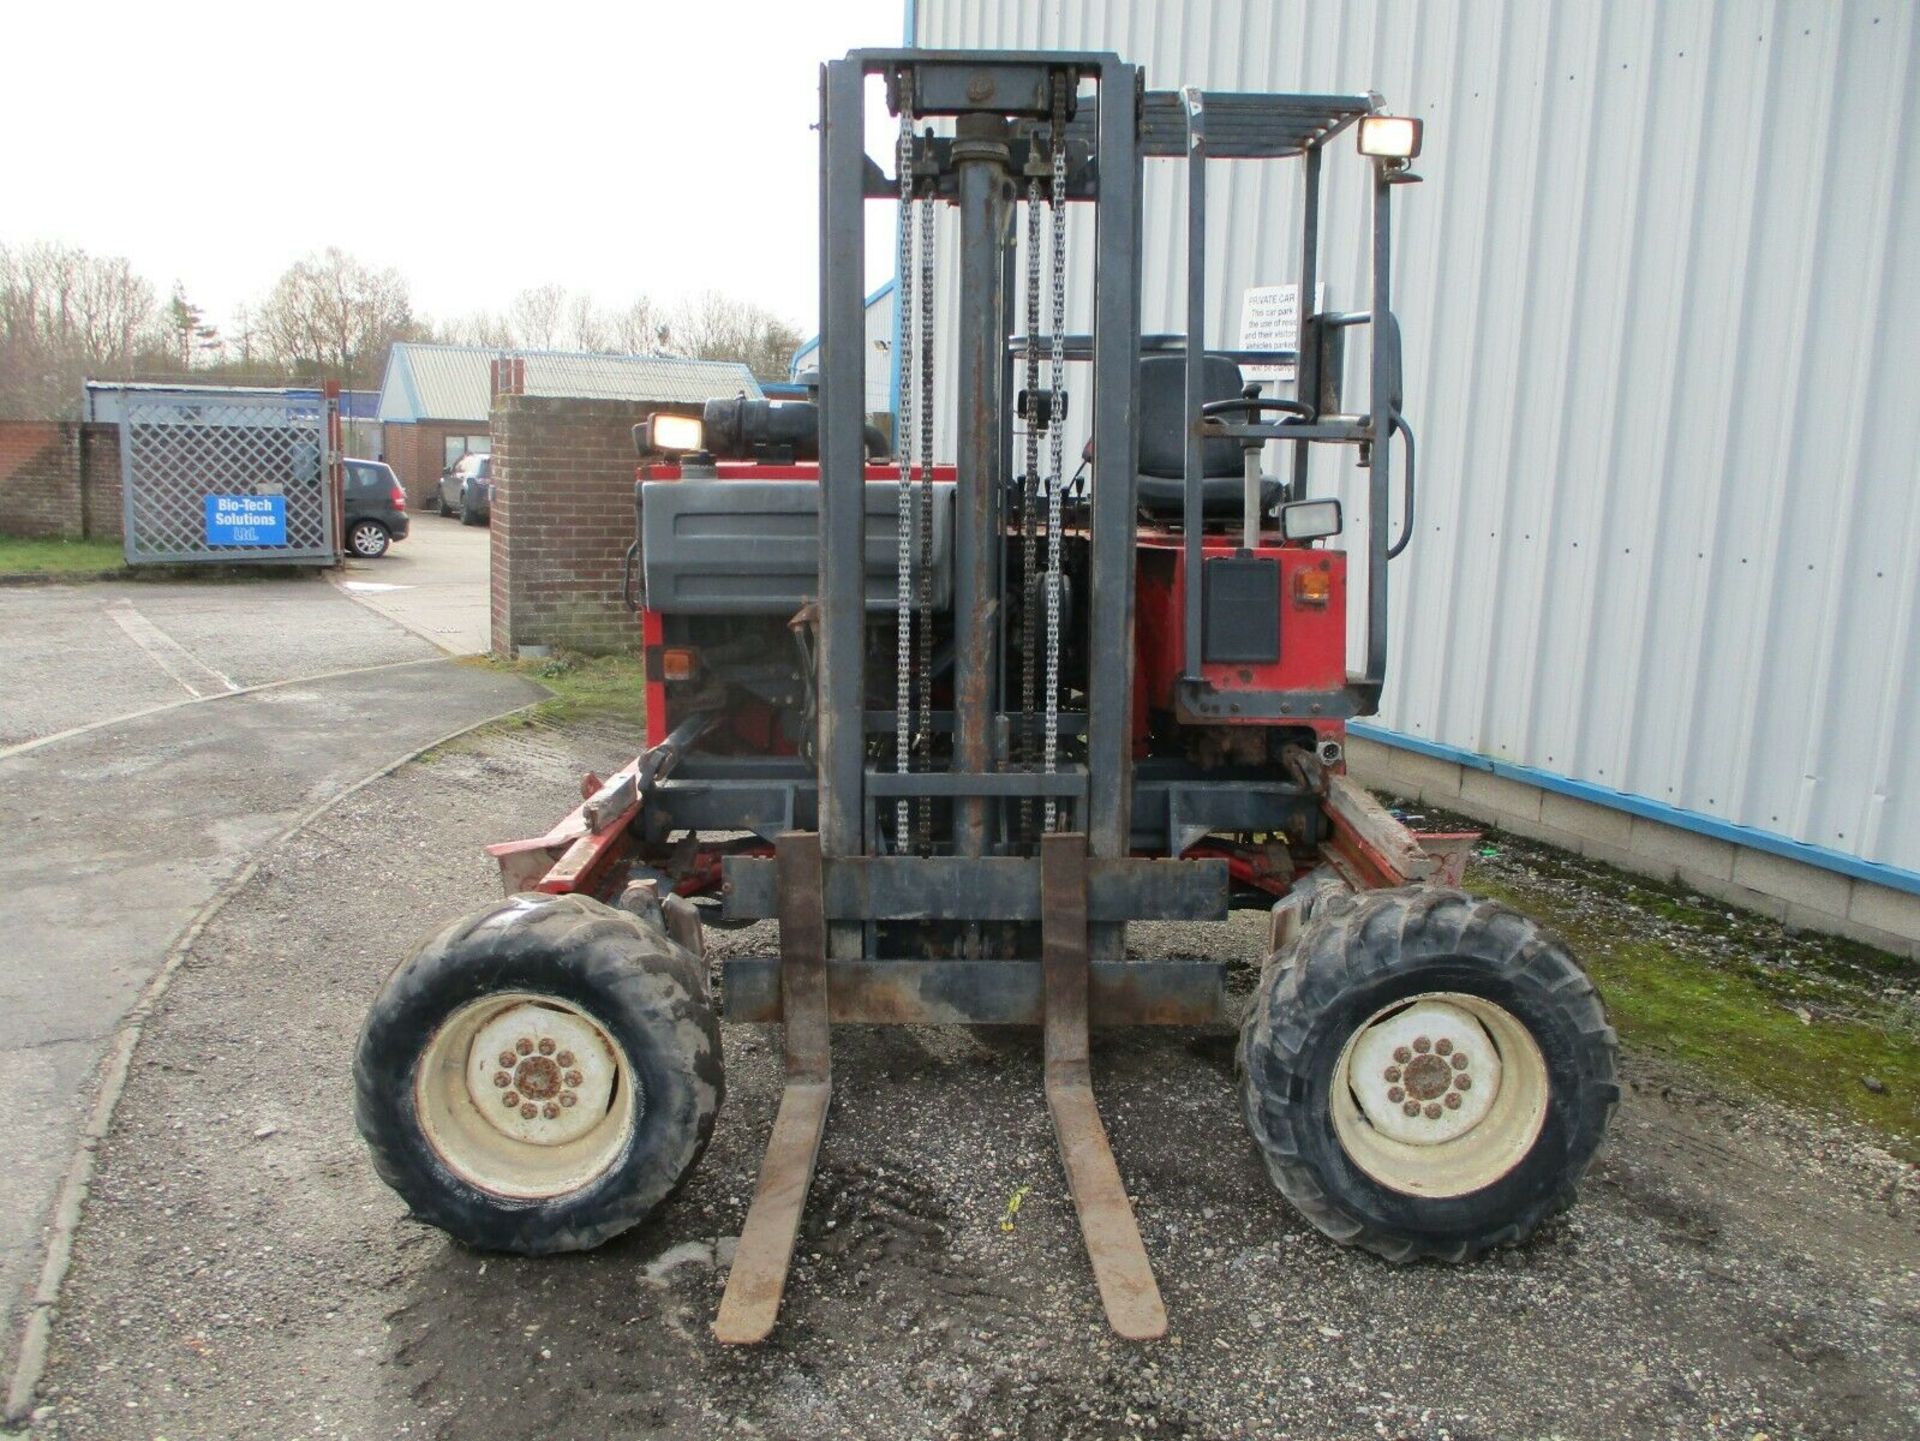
[376,508]
[466,490]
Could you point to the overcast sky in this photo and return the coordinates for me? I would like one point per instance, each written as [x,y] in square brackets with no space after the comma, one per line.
[621,148]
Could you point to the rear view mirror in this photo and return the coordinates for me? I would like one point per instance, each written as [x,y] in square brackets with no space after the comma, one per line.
[1389,340]
[1310,519]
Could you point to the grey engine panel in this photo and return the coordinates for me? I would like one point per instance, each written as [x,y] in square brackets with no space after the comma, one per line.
[752,547]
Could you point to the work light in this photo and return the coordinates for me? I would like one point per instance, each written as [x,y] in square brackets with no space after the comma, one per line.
[673,434]
[1310,519]
[1390,137]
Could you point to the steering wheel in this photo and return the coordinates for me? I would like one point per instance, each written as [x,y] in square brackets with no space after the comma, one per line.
[1248,404]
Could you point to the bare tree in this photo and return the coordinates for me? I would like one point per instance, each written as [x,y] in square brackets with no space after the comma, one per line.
[330,314]
[588,329]
[534,316]
[478,327]
[243,336]
[65,315]
[718,327]
[639,329]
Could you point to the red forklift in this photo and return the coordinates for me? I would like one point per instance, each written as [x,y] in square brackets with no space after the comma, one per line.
[955,726]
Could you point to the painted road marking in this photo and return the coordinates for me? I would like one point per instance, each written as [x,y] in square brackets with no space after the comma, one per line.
[198,678]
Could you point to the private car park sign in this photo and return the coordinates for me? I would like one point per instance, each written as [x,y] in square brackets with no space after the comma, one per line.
[246,520]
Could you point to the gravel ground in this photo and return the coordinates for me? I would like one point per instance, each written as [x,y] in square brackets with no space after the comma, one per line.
[1733,1270]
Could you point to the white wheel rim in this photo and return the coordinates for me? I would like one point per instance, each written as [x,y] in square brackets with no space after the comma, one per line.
[366,540]
[565,1112]
[1439,1095]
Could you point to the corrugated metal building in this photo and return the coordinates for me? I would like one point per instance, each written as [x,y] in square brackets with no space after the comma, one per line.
[1661,338]
[453,382]
[435,399]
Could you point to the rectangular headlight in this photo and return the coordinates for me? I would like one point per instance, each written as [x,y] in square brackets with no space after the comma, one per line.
[1310,519]
[675,433]
[1390,137]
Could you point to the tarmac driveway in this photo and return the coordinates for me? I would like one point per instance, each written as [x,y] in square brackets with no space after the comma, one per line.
[1732,1271]
[153,739]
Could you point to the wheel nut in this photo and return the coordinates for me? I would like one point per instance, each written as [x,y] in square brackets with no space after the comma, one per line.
[510,1100]
[569,1100]
[1393,1073]
[1433,1110]
[1396,1095]
[565,1058]
[524,1046]
[550,1110]
[1412,1108]
[501,1078]
[1444,1046]
[1464,1083]
[1402,1054]
[1422,1044]
[546,1045]
[574,1078]
[1452,1103]
[529,1111]
[506,1059]
[1460,1061]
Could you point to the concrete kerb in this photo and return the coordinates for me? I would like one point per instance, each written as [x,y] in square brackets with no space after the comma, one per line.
[37,1330]
[38,741]
[66,577]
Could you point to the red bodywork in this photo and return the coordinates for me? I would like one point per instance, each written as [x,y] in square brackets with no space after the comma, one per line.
[1313,636]
[1367,846]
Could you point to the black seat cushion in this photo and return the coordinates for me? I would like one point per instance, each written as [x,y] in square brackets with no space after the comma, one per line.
[1163,439]
[1165,497]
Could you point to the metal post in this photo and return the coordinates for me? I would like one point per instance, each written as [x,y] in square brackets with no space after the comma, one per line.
[1381,424]
[1116,342]
[843,519]
[1009,324]
[981,161]
[1194,505]
[1309,279]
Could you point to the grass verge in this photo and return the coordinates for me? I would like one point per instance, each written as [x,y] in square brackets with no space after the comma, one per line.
[58,557]
[584,689]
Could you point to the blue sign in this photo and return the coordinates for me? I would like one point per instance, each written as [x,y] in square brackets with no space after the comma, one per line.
[249,520]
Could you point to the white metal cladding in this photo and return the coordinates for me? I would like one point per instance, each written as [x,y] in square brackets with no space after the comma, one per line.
[1662,342]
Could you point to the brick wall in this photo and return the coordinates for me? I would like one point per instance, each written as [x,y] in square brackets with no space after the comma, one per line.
[562,520]
[418,453]
[102,516]
[59,480]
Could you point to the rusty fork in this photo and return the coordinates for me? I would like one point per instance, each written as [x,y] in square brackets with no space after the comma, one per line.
[751,1304]
[1120,1265]
[1128,1291]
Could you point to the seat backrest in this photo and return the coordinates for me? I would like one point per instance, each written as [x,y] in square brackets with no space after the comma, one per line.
[1163,415]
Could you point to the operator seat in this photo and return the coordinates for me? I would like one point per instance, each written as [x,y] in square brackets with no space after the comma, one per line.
[1163,439]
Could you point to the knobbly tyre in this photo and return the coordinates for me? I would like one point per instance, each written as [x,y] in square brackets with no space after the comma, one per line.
[955,726]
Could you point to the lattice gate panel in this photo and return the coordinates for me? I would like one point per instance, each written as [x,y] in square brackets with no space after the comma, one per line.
[226,478]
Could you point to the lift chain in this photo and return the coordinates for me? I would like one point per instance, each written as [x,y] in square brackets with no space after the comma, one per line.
[1056,432]
[903,444]
[927,236]
[1030,517]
